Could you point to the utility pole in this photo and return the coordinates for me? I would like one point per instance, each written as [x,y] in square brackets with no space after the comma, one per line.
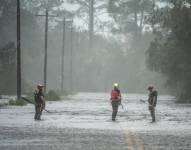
[18,52]
[71,59]
[45,50]
[46,46]
[63,49]
[91,23]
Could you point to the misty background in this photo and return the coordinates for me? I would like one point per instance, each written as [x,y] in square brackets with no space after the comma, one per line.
[121,36]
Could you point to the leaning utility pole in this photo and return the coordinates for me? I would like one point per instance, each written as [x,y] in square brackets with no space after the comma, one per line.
[18,52]
[63,49]
[46,47]
[91,23]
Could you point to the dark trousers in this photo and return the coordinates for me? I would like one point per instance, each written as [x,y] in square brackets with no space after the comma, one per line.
[38,112]
[152,112]
[115,105]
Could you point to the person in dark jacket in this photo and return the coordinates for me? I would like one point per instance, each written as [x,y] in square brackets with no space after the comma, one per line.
[152,101]
[39,102]
[115,100]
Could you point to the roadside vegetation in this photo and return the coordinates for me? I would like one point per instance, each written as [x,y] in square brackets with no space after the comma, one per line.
[52,95]
[169,53]
[3,104]
[17,102]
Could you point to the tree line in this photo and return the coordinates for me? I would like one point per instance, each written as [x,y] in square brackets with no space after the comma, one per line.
[170,51]
[119,57]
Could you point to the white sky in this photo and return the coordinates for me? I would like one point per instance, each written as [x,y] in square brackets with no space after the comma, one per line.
[103,17]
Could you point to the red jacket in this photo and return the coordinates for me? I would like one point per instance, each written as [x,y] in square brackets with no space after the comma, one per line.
[115,95]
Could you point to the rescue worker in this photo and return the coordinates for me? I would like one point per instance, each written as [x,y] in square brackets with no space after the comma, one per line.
[152,101]
[39,102]
[115,100]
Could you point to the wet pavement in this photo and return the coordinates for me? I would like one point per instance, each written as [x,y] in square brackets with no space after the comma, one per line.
[83,121]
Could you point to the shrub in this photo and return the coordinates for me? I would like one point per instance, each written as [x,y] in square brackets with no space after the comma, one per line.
[62,93]
[52,95]
[17,102]
[3,104]
[30,98]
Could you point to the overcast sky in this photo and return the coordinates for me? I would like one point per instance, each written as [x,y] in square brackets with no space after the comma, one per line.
[100,18]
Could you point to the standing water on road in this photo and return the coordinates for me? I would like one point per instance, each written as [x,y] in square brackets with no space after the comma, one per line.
[93,110]
[83,121]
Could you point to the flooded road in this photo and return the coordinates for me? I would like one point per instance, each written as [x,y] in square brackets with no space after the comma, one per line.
[83,121]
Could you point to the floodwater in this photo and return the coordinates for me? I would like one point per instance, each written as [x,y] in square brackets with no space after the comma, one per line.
[93,110]
[90,113]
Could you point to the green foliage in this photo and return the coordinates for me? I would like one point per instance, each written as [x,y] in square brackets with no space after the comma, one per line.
[62,93]
[40,5]
[127,14]
[3,104]
[131,19]
[30,97]
[53,95]
[183,99]
[170,52]
[17,102]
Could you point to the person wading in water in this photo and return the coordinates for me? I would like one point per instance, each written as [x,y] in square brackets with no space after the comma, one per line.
[39,102]
[152,101]
[115,100]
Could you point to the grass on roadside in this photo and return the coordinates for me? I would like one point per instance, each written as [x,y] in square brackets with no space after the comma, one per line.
[17,102]
[52,95]
[3,104]
[55,95]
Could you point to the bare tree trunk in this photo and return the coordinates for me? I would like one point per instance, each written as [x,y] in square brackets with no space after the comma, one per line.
[141,22]
[91,22]
[153,11]
[136,24]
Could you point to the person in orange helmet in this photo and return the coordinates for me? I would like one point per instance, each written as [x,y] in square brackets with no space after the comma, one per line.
[115,100]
